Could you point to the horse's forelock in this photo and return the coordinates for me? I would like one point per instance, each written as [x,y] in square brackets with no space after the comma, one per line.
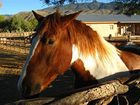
[49,25]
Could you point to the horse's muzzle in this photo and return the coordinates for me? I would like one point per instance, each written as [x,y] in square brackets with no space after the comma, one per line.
[29,91]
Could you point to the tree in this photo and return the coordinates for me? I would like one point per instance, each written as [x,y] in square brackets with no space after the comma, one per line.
[18,23]
[29,25]
[5,25]
[128,7]
[61,2]
[2,22]
[2,18]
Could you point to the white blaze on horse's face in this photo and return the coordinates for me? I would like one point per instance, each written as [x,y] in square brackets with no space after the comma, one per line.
[34,44]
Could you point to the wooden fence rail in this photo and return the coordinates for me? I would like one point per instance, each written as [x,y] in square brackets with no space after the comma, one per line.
[18,42]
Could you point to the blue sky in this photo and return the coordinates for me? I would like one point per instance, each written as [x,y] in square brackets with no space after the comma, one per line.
[15,6]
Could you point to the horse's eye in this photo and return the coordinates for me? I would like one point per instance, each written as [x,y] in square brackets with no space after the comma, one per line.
[50,41]
[46,40]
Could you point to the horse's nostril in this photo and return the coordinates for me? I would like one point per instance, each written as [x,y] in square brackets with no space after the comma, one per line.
[30,91]
[37,87]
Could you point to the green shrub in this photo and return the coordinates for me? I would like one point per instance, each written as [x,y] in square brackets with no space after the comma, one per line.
[18,24]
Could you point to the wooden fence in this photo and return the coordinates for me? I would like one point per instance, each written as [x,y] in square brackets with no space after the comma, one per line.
[135,39]
[18,42]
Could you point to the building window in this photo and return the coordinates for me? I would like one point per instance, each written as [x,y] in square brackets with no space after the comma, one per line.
[111,27]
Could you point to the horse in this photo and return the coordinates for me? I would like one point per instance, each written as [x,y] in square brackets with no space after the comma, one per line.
[62,42]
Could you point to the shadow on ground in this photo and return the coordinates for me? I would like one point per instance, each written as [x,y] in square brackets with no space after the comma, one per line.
[8,89]
[9,92]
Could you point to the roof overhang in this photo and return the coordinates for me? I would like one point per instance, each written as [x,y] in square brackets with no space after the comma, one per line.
[102,22]
[129,22]
[111,22]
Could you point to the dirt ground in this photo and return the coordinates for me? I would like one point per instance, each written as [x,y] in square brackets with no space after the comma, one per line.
[10,66]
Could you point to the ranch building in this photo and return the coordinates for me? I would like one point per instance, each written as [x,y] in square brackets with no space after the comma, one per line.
[113,25]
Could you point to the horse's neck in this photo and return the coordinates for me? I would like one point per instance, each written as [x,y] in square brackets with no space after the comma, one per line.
[100,64]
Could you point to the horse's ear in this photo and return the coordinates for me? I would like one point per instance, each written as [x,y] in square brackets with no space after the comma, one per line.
[69,18]
[57,14]
[38,17]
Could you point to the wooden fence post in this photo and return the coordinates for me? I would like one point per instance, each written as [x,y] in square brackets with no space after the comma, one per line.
[15,41]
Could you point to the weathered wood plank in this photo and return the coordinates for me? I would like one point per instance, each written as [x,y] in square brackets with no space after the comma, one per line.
[127,87]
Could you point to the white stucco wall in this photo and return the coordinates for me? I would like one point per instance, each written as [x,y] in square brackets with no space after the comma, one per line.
[105,29]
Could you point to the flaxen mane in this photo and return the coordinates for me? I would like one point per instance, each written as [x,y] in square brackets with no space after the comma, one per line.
[90,43]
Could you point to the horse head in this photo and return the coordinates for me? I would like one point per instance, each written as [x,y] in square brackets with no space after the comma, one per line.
[50,53]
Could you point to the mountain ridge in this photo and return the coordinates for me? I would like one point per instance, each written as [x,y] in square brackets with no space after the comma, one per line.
[87,8]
